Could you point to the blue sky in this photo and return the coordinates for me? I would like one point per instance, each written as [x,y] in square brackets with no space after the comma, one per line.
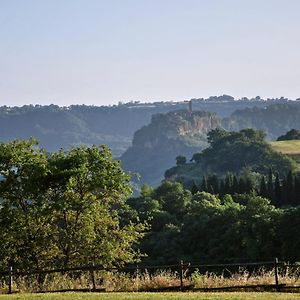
[101,52]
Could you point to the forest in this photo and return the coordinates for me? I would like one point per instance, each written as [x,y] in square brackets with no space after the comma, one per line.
[74,207]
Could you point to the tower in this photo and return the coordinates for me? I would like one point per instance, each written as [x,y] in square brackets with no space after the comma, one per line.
[190,106]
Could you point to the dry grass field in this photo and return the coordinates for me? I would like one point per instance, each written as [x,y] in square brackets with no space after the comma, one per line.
[287,147]
[153,296]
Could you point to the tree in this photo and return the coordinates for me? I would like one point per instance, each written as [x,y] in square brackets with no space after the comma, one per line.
[289,188]
[196,158]
[25,214]
[216,134]
[180,160]
[204,185]
[173,198]
[63,208]
[270,188]
[263,187]
[293,134]
[277,191]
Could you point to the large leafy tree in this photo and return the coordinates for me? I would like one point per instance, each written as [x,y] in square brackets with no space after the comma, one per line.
[63,208]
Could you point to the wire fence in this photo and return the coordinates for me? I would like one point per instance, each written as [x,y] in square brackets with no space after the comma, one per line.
[183,273]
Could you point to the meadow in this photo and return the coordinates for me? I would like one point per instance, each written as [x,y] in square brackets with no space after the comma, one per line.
[291,147]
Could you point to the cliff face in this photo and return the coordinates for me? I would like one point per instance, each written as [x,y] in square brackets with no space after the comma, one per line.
[156,145]
[177,125]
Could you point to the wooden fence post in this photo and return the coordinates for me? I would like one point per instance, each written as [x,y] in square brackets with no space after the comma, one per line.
[137,277]
[276,274]
[181,274]
[93,277]
[10,280]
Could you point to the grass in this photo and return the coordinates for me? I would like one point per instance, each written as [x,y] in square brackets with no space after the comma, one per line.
[121,282]
[154,296]
[291,147]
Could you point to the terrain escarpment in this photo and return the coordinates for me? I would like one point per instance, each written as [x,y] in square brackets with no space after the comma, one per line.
[155,146]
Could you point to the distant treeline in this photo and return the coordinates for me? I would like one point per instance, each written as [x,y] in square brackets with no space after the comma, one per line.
[274,120]
[61,127]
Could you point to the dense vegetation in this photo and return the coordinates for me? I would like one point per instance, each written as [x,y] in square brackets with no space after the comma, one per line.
[274,120]
[237,206]
[63,209]
[233,152]
[69,208]
[292,134]
[281,192]
[202,227]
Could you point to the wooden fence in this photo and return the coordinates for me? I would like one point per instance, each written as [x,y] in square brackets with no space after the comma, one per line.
[182,269]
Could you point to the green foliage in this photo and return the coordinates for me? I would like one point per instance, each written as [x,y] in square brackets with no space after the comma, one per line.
[275,119]
[63,208]
[234,152]
[293,134]
[208,228]
[180,160]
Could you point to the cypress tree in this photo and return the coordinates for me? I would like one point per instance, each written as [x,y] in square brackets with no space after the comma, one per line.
[215,184]
[194,188]
[204,184]
[270,191]
[284,193]
[242,186]
[228,183]
[235,184]
[277,192]
[263,188]
[222,187]
[290,188]
[249,185]
[297,190]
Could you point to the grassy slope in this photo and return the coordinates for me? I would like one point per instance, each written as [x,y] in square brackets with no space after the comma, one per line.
[154,296]
[290,148]
[287,147]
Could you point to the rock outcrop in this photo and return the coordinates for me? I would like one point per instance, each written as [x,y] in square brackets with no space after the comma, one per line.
[155,146]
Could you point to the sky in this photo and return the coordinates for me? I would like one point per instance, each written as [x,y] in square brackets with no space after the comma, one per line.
[100,52]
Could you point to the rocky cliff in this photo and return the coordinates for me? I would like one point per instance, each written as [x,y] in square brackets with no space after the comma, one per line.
[156,145]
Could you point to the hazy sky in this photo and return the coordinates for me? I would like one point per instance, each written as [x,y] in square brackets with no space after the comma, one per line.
[101,52]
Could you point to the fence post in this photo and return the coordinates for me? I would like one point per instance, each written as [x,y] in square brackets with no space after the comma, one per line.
[137,277]
[276,274]
[93,277]
[10,280]
[181,274]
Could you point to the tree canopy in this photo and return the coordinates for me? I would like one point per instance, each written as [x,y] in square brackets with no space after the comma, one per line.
[63,208]
[233,152]
[208,228]
[292,134]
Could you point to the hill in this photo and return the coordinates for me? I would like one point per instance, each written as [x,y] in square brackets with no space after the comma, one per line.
[232,152]
[156,145]
[61,127]
[274,120]
[291,148]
